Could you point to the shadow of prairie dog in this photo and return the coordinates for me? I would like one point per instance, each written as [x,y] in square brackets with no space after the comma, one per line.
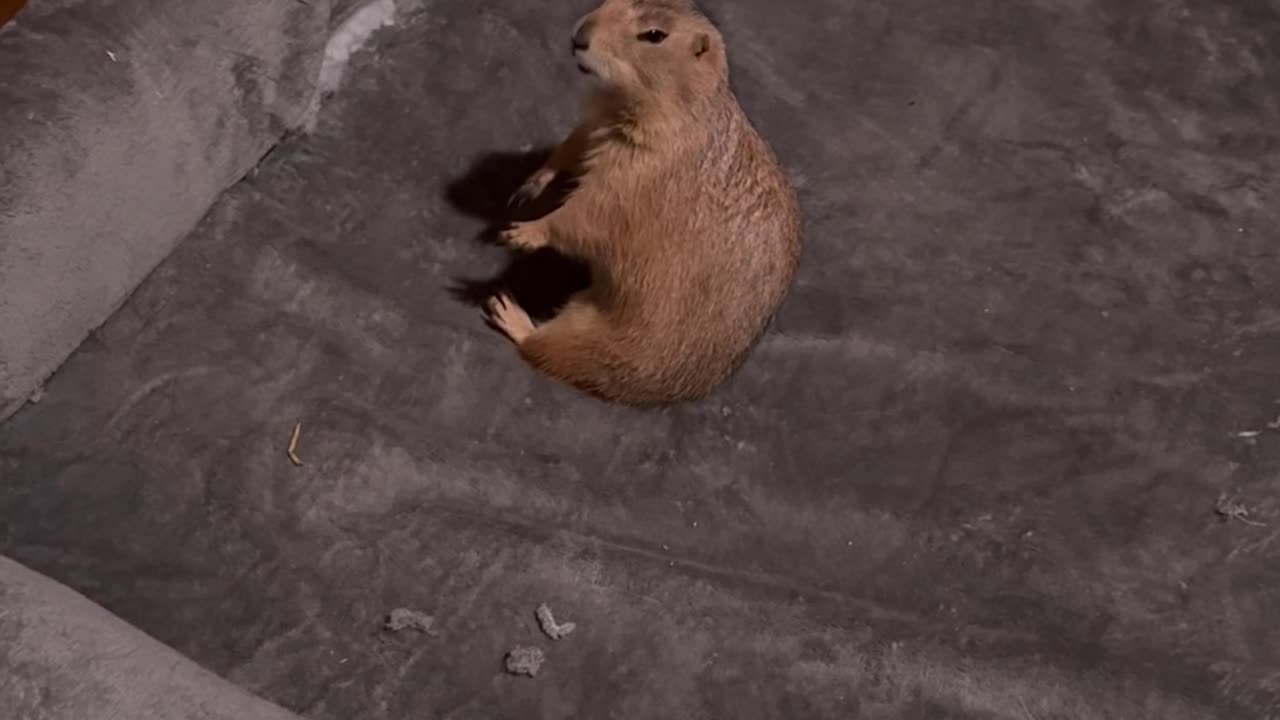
[681,211]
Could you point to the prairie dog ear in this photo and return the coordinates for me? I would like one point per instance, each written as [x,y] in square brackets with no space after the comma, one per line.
[708,49]
[701,45]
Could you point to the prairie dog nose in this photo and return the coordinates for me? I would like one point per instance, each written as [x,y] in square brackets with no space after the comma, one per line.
[582,34]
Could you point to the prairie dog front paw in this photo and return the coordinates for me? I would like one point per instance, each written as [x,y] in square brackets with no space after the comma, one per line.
[506,315]
[525,235]
[532,187]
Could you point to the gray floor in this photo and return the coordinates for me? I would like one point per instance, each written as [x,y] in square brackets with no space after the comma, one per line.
[975,472]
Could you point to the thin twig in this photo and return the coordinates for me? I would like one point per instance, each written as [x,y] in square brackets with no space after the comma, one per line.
[293,445]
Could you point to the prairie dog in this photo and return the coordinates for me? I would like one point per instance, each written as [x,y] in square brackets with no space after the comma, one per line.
[680,210]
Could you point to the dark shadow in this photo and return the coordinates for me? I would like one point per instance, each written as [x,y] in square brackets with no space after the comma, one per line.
[9,10]
[539,281]
[484,190]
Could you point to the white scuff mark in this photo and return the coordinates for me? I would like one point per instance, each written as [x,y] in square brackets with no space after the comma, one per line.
[350,36]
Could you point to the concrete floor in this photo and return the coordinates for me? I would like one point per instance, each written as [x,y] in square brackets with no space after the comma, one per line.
[991,462]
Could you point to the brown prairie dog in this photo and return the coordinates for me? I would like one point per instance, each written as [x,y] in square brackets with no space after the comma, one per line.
[680,209]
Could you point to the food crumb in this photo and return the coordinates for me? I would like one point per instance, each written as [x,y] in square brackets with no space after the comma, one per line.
[525,660]
[548,623]
[406,619]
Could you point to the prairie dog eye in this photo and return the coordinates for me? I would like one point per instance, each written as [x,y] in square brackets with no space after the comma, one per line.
[652,36]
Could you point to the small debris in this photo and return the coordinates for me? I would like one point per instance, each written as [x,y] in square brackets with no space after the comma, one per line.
[1251,436]
[36,396]
[1230,508]
[548,623]
[293,445]
[525,660]
[112,56]
[406,619]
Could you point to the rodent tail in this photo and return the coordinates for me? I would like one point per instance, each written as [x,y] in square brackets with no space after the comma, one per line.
[581,348]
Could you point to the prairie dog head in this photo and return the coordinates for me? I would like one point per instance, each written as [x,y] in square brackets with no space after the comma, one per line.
[651,47]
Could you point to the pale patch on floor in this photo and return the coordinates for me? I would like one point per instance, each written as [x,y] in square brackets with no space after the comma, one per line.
[345,42]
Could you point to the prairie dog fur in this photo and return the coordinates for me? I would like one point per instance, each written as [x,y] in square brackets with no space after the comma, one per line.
[680,210]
